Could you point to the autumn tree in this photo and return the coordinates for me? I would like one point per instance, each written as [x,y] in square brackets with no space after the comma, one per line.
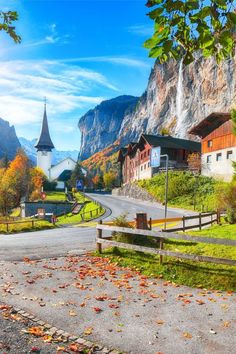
[18,174]
[109,179]
[37,179]
[184,27]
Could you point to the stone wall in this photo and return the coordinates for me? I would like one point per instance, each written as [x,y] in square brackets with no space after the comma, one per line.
[132,190]
[56,208]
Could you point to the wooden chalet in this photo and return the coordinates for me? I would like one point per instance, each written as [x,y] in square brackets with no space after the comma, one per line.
[135,158]
[218,145]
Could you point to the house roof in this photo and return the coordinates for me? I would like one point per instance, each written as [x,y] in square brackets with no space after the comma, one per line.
[60,162]
[44,142]
[64,176]
[209,124]
[170,142]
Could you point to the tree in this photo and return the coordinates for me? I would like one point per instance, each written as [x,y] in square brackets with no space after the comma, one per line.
[77,175]
[6,24]
[18,175]
[233,116]
[109,179]
[184,27]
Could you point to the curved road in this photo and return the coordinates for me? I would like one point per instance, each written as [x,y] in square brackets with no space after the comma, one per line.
[73,240]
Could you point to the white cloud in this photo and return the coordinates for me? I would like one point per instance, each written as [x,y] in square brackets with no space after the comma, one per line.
[51,37]
[141,30]
[68,87]
[131,62]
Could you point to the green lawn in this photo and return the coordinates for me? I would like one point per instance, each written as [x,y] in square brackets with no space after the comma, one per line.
[88,212]
[55,196]
[26,226]
[195,274]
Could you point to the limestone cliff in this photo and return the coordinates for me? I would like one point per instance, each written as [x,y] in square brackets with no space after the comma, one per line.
[176,98]
[100,126]
[9,143]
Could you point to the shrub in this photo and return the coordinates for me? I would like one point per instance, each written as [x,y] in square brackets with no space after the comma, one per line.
[122,221]
[226,198]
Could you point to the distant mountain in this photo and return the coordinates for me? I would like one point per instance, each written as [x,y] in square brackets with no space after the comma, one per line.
[9,143]
[100,126]
[57,155]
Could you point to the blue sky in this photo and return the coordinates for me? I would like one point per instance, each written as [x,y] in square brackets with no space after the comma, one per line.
[76,53]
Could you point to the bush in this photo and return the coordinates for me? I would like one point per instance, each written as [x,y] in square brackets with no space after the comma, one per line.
[122,221]
[185,189]
[226,198]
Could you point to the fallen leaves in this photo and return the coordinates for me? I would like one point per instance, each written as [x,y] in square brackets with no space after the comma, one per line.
[187,335]
[88,331]
[72,313]
[97,309]
[160,322]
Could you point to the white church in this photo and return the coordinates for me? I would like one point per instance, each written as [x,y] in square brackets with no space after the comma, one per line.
[44,148]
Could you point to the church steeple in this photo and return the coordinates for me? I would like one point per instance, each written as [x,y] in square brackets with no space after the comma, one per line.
[44,142]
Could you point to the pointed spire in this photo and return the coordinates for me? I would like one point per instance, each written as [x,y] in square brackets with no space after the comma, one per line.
[44,142]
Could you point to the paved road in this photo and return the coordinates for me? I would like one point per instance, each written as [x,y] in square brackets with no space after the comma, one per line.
[58,242]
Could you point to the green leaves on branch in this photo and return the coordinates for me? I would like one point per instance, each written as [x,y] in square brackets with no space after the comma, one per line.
[7,19]
[184,27]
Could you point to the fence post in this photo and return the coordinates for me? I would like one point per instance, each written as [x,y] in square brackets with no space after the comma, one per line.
[7,227]
[161,248]
[183,223]
[99,235]
[32,223]
[211,219]
[218,216]
[150,223]
[200,221]
[91,214]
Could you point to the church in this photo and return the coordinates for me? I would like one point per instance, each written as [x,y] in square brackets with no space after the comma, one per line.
[59,172]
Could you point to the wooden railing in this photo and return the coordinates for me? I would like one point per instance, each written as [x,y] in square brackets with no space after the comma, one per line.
[28,222]
[162,236]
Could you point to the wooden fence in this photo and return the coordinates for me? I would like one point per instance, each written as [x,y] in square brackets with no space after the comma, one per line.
[162,236]
[28,222]
[214,218]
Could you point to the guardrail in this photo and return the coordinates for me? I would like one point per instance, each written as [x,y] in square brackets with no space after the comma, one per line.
[162,236]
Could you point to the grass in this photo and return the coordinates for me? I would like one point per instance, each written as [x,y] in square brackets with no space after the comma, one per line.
[88,212]
[26,226]
[55,196]
[185,272]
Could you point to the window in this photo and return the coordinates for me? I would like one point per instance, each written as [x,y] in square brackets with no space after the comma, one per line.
[145,154]
[144,166]
[148,152]
[209,143]
[209,159]
[141,168]
[148,164]
[229,155]
[219,156]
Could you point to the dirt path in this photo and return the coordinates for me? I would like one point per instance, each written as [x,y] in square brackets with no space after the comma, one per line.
[93,298]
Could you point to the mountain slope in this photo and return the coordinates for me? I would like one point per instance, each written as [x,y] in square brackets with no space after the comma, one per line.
[101,125]
[9,143]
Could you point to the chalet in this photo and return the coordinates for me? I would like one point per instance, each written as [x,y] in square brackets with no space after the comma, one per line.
[218,145]
[135,158]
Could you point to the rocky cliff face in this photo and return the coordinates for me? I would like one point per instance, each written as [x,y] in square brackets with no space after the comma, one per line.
[100,127]
[9,143]
[176,98]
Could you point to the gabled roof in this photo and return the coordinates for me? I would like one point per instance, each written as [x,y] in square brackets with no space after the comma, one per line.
[65,159]
[44,142]
[169,142]
[65,176]
[209,124]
